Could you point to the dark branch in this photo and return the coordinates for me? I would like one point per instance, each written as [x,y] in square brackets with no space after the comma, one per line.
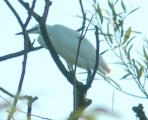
[83,16]
[31,100]
[75,87]
[30,14]
[27,45]
[17,54]
[48,3]
[14,12]
[139,112]
[89,82]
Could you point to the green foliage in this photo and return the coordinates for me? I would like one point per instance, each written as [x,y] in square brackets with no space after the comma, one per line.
[121,40]
[99,12]
[145,54]
[133,10]
[123,6]
[127,35]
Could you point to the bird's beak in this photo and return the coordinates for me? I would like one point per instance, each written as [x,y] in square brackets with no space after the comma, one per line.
[28,31]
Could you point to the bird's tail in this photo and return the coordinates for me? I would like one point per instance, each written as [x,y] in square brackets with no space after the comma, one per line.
[103,66]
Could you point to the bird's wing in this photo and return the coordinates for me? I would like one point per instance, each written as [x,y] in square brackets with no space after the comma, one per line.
[65,42]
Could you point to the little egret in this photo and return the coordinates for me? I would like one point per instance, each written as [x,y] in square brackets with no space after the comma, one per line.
[65,41]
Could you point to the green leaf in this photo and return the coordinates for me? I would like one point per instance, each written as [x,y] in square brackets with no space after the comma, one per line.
[125,76]
[133,10]
[129,41]
[145,54]
[110,4]
[139,72]
[127,35]
[110,36]
[129,51]
[99,11]
[135,66]
[121,26]
[104,52]
[123,5]
[113,11]
[125,51]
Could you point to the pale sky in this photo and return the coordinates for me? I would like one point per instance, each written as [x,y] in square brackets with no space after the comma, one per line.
[43,79]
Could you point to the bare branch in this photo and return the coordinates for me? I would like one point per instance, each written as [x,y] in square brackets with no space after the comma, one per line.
[14,12]
[90,80]
[139,112]
[17,54]
[26,46]
[48,3]
[30,14]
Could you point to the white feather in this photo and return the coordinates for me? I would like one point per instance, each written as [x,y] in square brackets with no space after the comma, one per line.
[65,42]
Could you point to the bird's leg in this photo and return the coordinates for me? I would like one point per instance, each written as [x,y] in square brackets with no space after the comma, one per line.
[70,67]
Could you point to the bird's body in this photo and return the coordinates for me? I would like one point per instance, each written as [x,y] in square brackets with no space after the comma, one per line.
[65,41]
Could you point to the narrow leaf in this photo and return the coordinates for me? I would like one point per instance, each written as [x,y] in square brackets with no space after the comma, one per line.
[110,4]
[129,51]
[108,32]
[139,73]
[123,5]
[133,10]
[129,41]
[104,52]
[127,35]
[134,64]
[125,51]
[125,76]
[121,26]
[145,54]
[113,11]
[99,11]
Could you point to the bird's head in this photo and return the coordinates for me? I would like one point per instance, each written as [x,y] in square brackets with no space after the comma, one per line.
[34,30]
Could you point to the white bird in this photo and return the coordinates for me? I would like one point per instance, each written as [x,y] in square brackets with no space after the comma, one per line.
[65,41]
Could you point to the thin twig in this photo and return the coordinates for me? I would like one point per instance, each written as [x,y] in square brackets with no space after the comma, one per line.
[89,82]
[77,55]
[24,97]
[13,108]
[48,3]
[6,92]
[83,16]
[26,41]
[17,54]
[14,12]
[30,14]
[31,100]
